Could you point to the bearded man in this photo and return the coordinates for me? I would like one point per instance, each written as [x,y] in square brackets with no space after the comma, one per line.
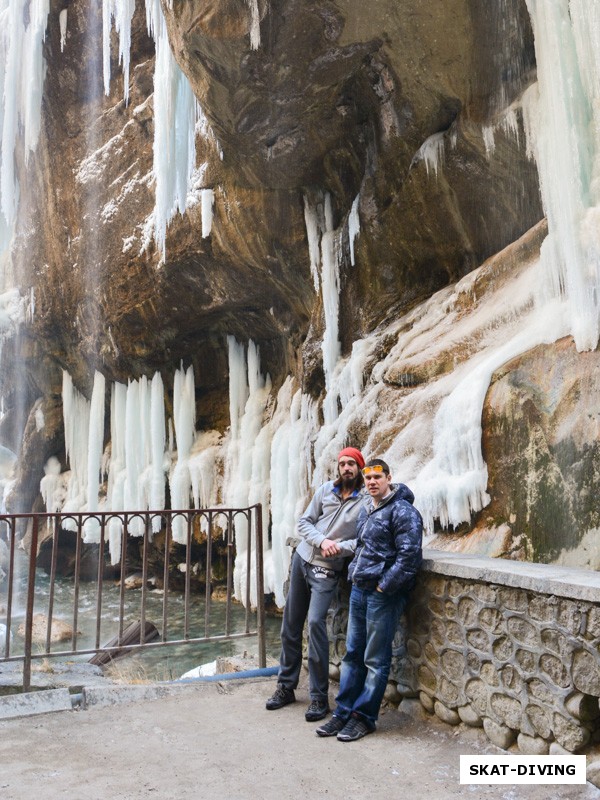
[327,530]
[383,571]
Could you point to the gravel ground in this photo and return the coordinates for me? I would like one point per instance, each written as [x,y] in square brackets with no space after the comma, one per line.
[216,740]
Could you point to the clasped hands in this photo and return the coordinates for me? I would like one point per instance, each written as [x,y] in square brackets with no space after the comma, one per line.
[330,548]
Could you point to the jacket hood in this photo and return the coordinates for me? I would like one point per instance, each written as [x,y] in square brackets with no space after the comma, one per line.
[402,492]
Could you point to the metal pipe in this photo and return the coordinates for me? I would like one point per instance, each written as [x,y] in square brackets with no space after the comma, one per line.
[30,603]
[263,672]
[260,590]
[11,578]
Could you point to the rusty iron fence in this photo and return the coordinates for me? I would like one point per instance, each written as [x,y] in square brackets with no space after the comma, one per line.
[21,598]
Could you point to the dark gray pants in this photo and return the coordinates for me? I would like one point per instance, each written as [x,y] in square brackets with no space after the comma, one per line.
[310,593]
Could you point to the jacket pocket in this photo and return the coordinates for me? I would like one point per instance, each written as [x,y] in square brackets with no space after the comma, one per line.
[368,568]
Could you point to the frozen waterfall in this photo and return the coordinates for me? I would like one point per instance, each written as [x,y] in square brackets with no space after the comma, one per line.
[21,84]
[563,133]
[275,449]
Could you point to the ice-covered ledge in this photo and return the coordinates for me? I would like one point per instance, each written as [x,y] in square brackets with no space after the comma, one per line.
[575,584]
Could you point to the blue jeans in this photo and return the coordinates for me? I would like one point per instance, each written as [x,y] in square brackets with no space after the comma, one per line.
[372,626]
[309,597]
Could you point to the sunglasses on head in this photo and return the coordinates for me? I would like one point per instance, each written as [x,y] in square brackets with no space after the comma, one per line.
[376,470]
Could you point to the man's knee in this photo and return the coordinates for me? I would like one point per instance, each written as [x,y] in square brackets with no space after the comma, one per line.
[317,625]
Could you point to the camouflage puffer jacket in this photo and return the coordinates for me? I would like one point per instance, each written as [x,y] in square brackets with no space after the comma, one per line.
[389,545]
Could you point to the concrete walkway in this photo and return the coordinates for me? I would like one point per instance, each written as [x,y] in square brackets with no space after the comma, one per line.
[217,741]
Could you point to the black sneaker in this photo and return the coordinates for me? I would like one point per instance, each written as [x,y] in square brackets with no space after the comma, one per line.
[331,728]
[282,696]
[318,709]
[354,729]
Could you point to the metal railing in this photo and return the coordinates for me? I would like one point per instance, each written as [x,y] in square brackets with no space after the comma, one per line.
[25,590]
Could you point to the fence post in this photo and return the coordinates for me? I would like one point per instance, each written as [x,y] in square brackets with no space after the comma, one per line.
[260,590]
[30,602]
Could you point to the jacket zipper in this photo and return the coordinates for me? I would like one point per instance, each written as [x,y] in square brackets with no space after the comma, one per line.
[372,511]
[338,512]
[335,516]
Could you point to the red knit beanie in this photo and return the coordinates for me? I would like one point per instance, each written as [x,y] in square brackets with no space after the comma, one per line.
[352,452]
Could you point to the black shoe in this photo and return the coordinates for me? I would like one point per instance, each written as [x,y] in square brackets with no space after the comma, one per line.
[318,709]
[354,729]
[282,696]
[331,728]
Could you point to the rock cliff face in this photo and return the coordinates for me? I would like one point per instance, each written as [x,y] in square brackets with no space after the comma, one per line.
[412,108]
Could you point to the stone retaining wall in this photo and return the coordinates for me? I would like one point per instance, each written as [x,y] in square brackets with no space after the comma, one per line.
[509,646]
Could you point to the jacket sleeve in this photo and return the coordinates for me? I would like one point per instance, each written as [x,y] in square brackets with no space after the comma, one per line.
[347,546]
[407,531]
[307,522]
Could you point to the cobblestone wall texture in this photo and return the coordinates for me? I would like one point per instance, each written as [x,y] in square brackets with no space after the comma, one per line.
[525,666]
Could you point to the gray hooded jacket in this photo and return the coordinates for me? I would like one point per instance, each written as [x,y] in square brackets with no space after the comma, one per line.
[329,516]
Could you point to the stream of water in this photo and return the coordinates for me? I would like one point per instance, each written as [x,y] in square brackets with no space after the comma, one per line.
[155,663]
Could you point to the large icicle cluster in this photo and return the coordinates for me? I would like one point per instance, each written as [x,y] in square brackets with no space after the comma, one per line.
[21,82]
[137,466]
[563,131]
[265,458]
[122,12]
[325,244]
[176,111]
[178,117]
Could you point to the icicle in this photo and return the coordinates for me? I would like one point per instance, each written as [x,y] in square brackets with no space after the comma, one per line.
[157,439]
[325,251]
[204,463]
[294,424]
[510,124]
[13,23]
[489,140]
[254,24]
[134,455]
[122,11]
[91,528]
[238,385]
[345,392]
[184,418]
[175,112]
[353,227]
[432,153]
[52,486]
[40,420]
[62,21]
[107,12]
[117,472]
[246,467]
[76,416]
[330,285]
[453,484]
[208,199]
[313,233]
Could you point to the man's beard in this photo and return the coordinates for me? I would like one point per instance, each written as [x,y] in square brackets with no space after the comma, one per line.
[348,481]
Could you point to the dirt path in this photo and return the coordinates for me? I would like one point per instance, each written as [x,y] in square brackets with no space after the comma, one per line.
[217,740]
